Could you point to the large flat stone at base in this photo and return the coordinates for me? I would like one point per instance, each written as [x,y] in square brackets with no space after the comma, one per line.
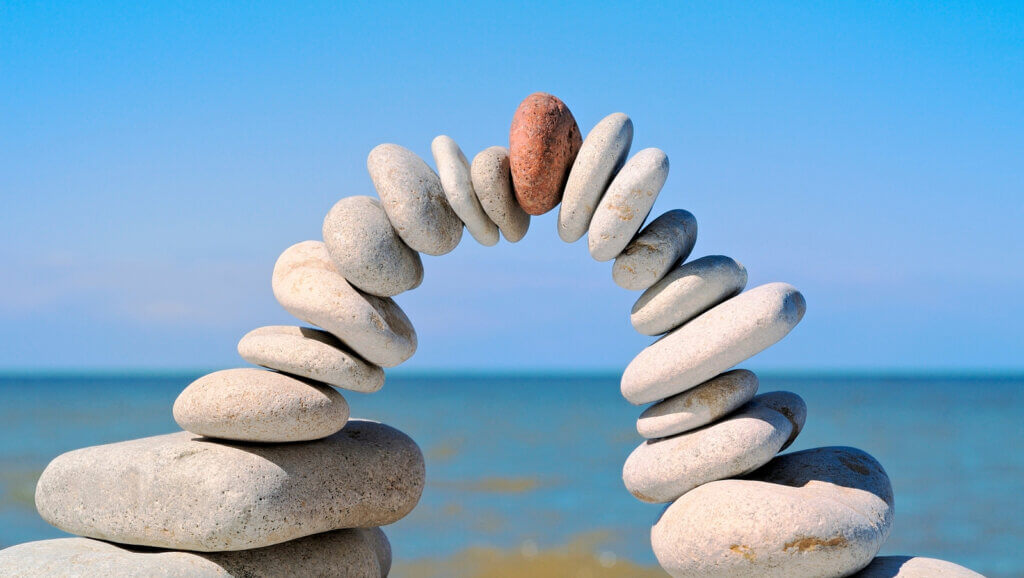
[184,492]
[357,553]
[914,567]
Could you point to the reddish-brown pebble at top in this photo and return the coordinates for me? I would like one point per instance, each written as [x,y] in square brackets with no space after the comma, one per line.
[542,145]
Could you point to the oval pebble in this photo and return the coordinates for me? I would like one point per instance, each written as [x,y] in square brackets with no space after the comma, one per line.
[820,512]
[602,154]
[686,292]
[662,470]
[914,567]
[255,405]
[457,182]
[626,203]
[413,198]
[312,354]
[492,182]
[665,242]
[717,340]
[707,402]
[366,250]
[542,142]
[306,284]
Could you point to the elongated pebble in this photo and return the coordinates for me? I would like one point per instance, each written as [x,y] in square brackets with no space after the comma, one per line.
[603,153]
[492,182]
[665,242]
[699,406]
[542,142]
[457,181]
[626,203]
[686,292]
[310,353]
[414,200]
[713,342]
[662,470]
[255,405]
[307,285]
[366,250]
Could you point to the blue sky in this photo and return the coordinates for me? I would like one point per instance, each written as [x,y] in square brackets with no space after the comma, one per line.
[155,159]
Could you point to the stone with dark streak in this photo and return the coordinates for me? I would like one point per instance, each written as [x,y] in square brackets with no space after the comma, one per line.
[543,143]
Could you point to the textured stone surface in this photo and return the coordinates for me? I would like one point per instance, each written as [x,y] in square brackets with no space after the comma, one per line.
[914,567]
[307,285]
[699,406]
[256,405]
[414,200]
[366,250]
[603,153]
[183,492]
[663,243]
[543,143]
[662,470]
[312,354]
[821,512]
[457,181]
[686,292]
[355,553]
[492,182]
[713,342]
[626,203]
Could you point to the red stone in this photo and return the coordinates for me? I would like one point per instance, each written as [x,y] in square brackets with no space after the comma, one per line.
[542,144]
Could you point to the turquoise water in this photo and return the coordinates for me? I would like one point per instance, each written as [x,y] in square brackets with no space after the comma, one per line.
[536,460]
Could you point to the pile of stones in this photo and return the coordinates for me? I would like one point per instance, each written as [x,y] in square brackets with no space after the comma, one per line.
[271,477]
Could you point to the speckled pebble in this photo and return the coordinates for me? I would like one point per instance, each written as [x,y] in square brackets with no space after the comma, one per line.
[256,405]
[312,354]
[626,203]
[492,182]
[686,292]
[665,242]
[713,342]
[457,181]
[354,553]
[821,512]
[542,142]
[603,153]
[662,470]
[914,567]
[366,250]
[183,492]
[414,200]
[307,285]
[699,406]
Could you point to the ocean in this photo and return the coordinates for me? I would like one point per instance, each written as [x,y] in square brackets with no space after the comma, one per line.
[526,469]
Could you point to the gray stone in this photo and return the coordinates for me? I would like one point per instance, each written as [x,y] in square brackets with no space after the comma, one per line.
[914,567]
[699,406]
[312,354]
[663,243]
[184,492]
[256,405]
[662,470]
[457,181]
[603,153]
[412,196]
[713,342]
[686,292]
[366,250]
[492,181]
[821,512]
[354,553]
[307,285]
[626,203]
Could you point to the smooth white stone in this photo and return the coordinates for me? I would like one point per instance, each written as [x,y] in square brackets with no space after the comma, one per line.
[686,292]
[717,340]
[914,567]
[603,153]
[307,285]
[492,181]
[412,196]
[699,406]
[457,181]
[626,203]
[665,242]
